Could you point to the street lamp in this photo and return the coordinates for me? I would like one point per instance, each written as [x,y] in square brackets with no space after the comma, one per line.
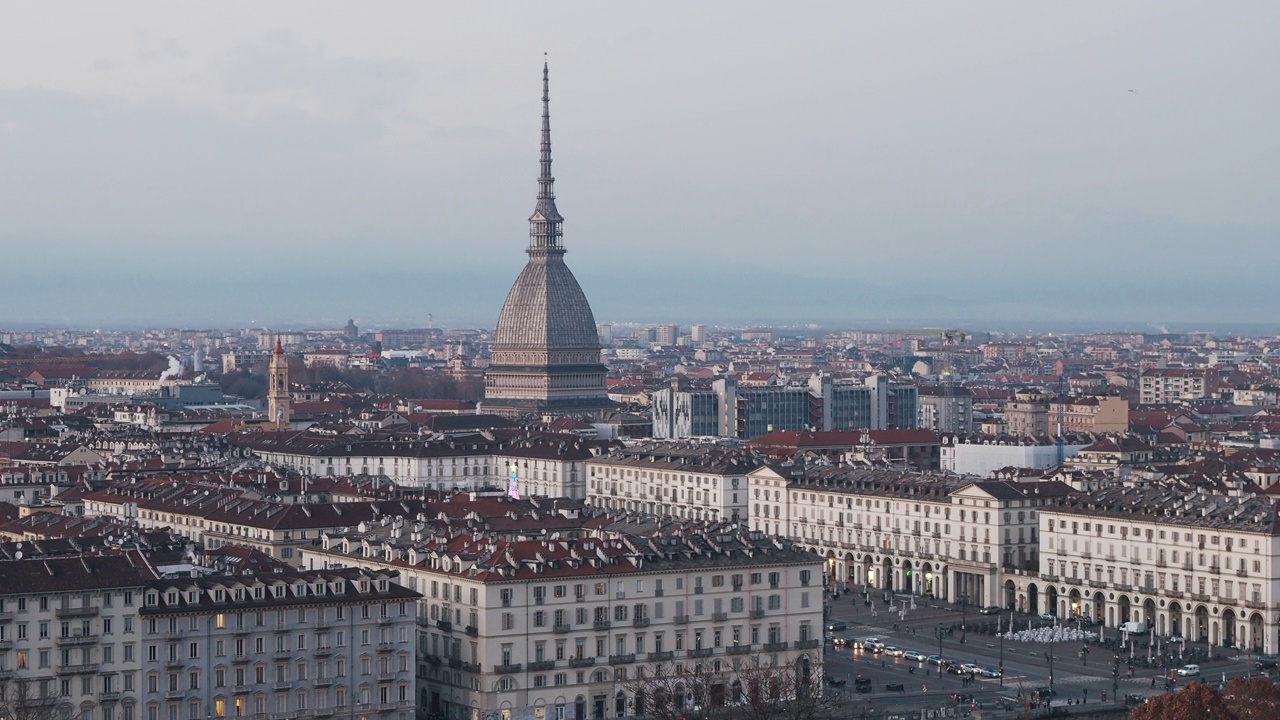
[1115,678]
[941,670]
[1049,657]
[964,616]
[1001,636]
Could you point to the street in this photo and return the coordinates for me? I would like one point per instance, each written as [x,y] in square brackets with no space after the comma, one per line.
[1026,665]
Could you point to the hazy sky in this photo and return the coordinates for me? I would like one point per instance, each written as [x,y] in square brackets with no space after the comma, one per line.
[222,163]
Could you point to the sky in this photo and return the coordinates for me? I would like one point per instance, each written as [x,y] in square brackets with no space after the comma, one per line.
[846,163]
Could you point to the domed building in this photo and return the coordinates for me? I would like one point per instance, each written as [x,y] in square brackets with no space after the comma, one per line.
[546,353]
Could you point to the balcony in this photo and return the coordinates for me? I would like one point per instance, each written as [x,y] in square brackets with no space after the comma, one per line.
[640,622]
[1255,604]
[681,619]
[322,681]
[471,667]
[444,625]
[806,644]
[173,663]
[106,697]
[241,689]
[659,592]
[1110,557]
[1215,569]
[738,649]
[757,614]
[660,656]
[719,617]
[697,590]
[581,662]
[433,659]
[1100,584]
[701,652]
[602,625]
[282,654]
[282,628]
[322,651]
[1200,597]
[386,647]
[472,630]
[175,694]
[775,646]
[1174,593]
[622,659]
[1161,563]
[561,629]
[540,665]
[72,640]
[282,686]
[1086,554]
[1048,578]
[507,669]
[80,612]
[1242,573]
[455,663]
[386,677]
[80,669]
[1123,587]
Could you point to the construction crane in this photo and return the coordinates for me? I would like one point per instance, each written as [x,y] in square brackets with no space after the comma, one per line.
[947,373]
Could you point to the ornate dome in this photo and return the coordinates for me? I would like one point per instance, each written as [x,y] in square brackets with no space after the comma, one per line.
[546,309]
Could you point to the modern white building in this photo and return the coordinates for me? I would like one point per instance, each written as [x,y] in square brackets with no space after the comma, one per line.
[982,455]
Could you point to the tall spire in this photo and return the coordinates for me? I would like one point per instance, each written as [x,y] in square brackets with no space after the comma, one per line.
[544,224]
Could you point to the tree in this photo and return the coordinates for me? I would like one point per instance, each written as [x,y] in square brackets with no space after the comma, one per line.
[24,699]
[1196,701]
[751,689]
[1254,699]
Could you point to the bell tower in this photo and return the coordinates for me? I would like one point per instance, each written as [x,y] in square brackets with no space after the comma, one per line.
[278,389]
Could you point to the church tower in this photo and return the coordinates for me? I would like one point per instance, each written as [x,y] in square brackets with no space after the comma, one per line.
[546,352]
[278,389]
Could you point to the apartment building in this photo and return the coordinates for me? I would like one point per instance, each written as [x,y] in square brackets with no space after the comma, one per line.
[696,481]
[548,464]
[1089,414]
[70,644]
[217,516]
[1185,562]
[908,533]
[555,629]
[333,643]
[1158,386]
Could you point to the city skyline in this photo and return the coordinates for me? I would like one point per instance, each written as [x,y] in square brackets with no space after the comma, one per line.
[1022,167]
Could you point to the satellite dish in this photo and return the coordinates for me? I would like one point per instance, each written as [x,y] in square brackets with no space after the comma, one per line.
[17,555]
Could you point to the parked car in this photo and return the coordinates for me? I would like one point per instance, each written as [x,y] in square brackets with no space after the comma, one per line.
[1266,663]
[839,642]
[934,660]
[892,651]
[914,656]
[862,684]
[1135,699]
[1047,617]
[1189,670]
[989,672]
[1045,693]
[1176,637]
[990,610]
[837,626]
[895,687]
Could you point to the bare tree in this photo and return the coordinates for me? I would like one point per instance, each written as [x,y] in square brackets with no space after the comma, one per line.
[24,699]
[752,689]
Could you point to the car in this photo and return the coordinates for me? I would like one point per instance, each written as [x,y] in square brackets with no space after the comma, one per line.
[970,668]
[1189,670]
[1266,663]
[895,687]
[989,672]
[914,656]
[892,651]
[934,660]
[1135,699]
[839,642]
[872,645]
[862,684]
[990,610]
[1176,638]
[1047,617]
[1045,693]
[837,626]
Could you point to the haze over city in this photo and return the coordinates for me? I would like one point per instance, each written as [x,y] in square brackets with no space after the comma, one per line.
[836,163]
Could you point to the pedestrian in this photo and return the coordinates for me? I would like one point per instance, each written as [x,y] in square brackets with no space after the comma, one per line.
[1153,681]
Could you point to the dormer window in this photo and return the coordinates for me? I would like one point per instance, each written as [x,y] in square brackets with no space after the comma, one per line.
[279,591]
[193,597]
[382,586]
[257,592]
[153,599]
[219,595]
[171,597]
